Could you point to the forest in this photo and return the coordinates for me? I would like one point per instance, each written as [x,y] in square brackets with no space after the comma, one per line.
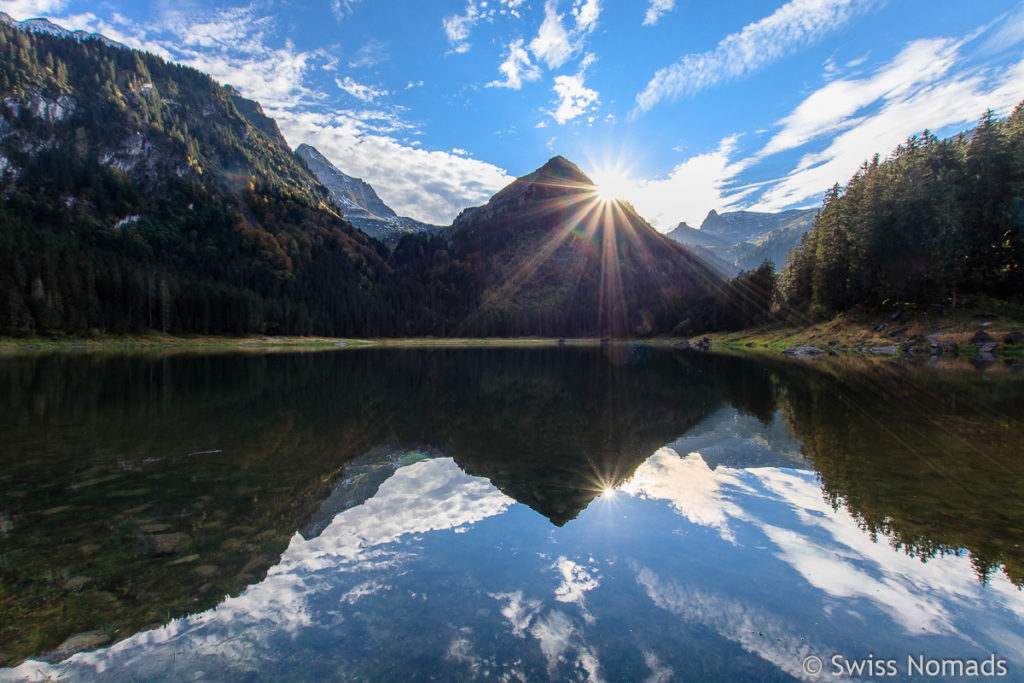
[935,223]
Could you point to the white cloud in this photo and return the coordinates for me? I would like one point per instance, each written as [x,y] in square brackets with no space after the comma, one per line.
[921,88]
[831,107]
[511,7]
[31,9]
[1010,31]
[694,187]
[342,8]
[552,44]
[586,13]
[656,9]
[574,98]
[458,27]
[372,53]
[795,24]
[366,93]
[516,68]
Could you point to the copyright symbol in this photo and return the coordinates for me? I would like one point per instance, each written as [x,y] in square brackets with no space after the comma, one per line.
[812,665]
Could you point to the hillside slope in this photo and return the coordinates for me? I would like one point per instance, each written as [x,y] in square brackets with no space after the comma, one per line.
[138,194]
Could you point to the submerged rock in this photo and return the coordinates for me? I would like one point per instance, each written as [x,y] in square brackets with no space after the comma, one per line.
[168,544]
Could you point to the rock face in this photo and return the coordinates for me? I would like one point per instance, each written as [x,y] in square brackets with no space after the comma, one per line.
[253,113]
[555,259]
[359,201]
[743,239]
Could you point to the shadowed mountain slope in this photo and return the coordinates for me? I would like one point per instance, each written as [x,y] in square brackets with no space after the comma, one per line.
[555,259]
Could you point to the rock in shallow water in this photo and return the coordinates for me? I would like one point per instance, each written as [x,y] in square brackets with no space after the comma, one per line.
[168,544]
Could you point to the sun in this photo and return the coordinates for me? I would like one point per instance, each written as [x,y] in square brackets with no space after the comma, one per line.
[612,183]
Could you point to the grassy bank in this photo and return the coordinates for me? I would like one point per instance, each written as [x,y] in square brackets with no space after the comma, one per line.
[861,333]
[158,342]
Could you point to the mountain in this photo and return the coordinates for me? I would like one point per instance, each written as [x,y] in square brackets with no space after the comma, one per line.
[252,112]
[554,259]
[48,27]
[360,203]
[741,240]
[139,194]
[705,247]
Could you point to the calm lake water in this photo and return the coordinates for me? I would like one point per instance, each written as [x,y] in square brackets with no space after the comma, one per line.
[570,514]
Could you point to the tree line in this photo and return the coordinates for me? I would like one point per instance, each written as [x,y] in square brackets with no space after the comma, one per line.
[935,222]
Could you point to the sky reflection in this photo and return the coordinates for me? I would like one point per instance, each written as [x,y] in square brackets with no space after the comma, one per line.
[689,569]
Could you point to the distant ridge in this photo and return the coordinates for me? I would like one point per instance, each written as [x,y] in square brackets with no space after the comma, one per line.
[359,201]
[41,25]
[742,240]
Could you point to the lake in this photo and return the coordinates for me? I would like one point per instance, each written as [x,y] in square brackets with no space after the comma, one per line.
[614,513]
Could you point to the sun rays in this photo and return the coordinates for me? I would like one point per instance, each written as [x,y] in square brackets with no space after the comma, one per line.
[613,183]
[574,237]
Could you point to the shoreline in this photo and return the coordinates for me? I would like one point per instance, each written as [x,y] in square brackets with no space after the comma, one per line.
[899,335]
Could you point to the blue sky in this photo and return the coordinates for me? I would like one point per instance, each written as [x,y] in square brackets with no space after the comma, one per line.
[686,106]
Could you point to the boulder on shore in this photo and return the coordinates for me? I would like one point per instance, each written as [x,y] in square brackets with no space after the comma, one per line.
[805,351]
[1014,337]
[984,341]
[702,344]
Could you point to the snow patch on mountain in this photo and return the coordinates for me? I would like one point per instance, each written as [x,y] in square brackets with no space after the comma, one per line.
[41,25]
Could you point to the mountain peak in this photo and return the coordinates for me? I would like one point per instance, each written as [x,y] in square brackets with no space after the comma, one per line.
[358,200]
[557,177]
[560,168]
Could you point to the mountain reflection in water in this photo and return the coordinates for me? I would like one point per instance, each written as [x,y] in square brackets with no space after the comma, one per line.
[374,514]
